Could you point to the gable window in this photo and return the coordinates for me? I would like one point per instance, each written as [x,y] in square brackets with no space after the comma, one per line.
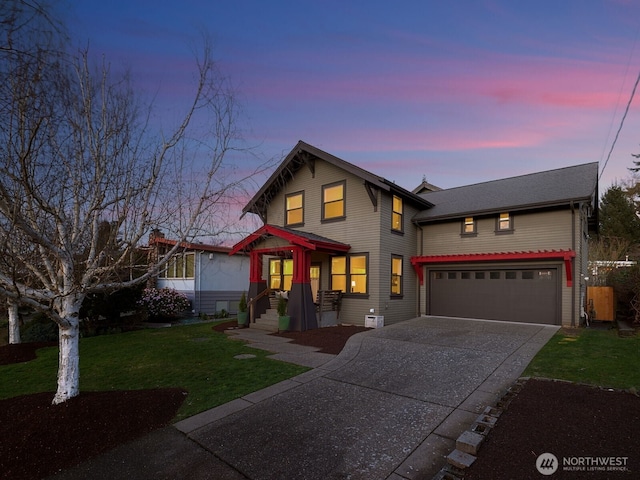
[294,205]
[504,223]
[280,273]
[396,215]
[469,226]
[396,275]
[333,201]
[181,265]
[349,273]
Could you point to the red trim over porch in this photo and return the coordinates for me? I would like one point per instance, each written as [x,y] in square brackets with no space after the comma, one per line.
[310,242]
[566,255]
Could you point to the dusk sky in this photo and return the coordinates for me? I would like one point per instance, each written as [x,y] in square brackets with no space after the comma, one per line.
[458,92]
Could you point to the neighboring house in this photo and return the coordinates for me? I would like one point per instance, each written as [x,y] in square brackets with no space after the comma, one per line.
[512,249]
[213,280]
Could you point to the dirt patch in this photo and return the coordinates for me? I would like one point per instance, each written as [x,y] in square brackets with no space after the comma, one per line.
[327,339]
[576,423]
[40,439]
[21,352]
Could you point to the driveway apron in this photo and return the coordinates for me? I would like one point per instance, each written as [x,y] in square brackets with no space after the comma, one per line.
[389,406]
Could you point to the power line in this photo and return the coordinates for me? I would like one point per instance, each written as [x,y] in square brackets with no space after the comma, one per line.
[626,110]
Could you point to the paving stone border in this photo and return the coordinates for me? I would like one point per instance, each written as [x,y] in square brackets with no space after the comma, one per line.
[469,442]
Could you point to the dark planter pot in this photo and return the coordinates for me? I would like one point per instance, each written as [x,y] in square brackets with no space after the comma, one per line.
[284,323]
[243,319]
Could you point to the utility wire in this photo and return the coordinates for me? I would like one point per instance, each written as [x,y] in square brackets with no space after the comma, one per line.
[633,92]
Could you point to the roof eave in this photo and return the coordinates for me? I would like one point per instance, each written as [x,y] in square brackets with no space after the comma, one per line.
[493,211]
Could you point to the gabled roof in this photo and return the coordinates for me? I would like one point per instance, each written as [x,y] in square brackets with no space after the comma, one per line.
[310,241]
[544,189]
[199,247]
[305,155]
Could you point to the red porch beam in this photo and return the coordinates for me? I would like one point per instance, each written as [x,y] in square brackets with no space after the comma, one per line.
[566,255]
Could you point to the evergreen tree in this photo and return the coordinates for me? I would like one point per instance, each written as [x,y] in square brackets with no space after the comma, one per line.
[618,218]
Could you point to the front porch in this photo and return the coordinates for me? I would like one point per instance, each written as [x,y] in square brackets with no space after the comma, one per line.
[299,257]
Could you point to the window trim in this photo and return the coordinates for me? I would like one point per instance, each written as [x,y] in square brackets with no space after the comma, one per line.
[323,204]
[400,214]
[401,279]
[281,275]
[169,272]
[509,229]
[473,223]
[287,210]
[347,274]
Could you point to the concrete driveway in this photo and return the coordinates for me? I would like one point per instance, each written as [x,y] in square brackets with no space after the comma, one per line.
[390,406]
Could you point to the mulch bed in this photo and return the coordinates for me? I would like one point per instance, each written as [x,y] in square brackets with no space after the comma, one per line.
[327,339]
[571,422]
[40,439]
[21,352]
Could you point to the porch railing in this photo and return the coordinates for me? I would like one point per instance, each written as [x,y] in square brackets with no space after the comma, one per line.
[252,303]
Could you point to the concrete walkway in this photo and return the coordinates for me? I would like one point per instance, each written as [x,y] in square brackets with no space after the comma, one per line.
[390,406]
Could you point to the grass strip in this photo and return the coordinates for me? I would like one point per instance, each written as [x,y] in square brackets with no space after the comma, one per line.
[193,357]
[591,356]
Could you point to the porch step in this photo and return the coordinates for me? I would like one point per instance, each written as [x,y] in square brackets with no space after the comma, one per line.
[267,321]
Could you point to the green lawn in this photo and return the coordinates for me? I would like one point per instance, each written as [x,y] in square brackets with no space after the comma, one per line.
[596,357]
[193,357]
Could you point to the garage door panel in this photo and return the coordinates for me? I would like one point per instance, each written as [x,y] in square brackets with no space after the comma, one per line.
[524,295]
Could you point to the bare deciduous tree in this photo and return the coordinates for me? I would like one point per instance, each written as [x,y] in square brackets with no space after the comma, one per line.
[77,153]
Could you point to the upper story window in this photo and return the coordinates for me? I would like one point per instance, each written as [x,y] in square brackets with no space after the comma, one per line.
[181,265]
[469,226]
[396,275]
[504,223]
[397,215]
[333,201]
[294,206]
[349,273]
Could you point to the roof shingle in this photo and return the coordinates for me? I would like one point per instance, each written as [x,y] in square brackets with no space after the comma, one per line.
[549,188]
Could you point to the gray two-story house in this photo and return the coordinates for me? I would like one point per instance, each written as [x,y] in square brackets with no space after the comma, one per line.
[512,249]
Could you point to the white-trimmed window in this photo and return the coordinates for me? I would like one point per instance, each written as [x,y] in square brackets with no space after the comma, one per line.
[181,265]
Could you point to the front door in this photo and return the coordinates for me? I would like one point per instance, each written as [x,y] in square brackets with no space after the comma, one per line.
[314,274]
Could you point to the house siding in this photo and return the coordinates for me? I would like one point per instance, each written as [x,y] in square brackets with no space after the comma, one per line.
[546,230]
[367,229]
[556,229]
[218,278]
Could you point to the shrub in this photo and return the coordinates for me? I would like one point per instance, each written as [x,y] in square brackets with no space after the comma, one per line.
[40,329]
[163,303]
[242,305]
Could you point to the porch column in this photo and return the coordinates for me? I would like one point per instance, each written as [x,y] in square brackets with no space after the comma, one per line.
[257,284]
[301,308]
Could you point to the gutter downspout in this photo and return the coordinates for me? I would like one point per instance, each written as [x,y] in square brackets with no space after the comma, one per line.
[421,252]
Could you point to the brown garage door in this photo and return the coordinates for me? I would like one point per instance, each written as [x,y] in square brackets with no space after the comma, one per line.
[517,295]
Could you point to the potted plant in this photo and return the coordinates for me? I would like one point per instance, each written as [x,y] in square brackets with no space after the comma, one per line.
[284,320]
[242,311]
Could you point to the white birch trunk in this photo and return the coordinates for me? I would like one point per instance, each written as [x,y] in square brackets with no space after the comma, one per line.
[69,355]
[14,322]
